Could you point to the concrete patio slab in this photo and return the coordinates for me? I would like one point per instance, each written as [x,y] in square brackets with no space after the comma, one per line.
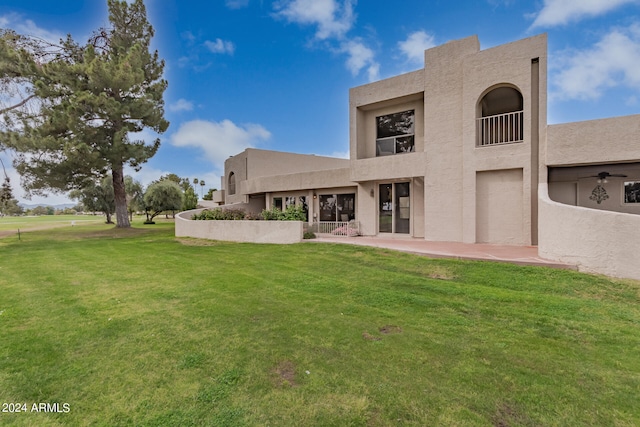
[521,255]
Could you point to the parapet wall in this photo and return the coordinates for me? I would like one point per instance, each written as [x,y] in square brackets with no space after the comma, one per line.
[596,241]
[281,232]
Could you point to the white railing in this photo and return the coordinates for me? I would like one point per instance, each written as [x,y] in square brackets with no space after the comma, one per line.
[338,228]
[500,129]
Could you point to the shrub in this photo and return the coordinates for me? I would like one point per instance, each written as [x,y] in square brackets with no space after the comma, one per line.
[295,213]
[220,214]
[309,235]
[292,213]
[273,214]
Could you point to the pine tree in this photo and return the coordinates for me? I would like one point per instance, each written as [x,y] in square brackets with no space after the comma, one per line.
[94,97]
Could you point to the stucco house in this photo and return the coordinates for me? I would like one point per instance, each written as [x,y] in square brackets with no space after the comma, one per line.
[460,151]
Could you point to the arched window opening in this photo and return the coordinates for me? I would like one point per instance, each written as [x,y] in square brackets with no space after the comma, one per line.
[232,183]
[501,118]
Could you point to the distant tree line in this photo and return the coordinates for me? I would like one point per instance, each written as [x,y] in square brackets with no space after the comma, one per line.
[168,194]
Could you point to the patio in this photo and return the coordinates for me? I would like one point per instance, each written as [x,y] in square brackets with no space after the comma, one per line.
[521,255]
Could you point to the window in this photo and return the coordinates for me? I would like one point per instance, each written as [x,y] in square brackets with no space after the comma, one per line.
[232,183]
[277,202]
[289,201]
[395,133]
[632,192]
[337,207]
[302,201]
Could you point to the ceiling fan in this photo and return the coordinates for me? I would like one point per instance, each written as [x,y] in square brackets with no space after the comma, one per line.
[602,176]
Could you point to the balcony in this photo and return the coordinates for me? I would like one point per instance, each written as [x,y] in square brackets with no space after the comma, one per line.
[500,129]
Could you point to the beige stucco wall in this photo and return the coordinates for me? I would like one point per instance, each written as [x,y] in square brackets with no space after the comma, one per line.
[298,181]
[500,216]
[259,171]
[238,166]
[367,125]
[263,163]
[594,141]
[444,185]
[445,96]
[218,197]
[399,93]
[281,232]
[521,65]
[389,167]
[597,241]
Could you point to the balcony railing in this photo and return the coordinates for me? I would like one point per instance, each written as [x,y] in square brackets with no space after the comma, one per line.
[337,228]
[500,129]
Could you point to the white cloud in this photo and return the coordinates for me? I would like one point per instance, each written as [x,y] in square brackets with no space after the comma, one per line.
[220,46]
[181,105]
[146,175]
[415,45]
[219,140]
[613,61]
[560,12]
[29,28]
[331,19]
[359,57]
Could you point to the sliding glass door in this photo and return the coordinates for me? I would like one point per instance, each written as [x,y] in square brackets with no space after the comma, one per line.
[394,208]
[385,213]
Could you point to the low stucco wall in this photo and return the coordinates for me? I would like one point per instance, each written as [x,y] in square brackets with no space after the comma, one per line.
[596,241]
[281,232]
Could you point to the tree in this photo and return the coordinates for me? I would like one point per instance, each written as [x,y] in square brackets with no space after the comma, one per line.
[209,195]
[162,196]
[11,207]
[6,193]
[190,199]
[182,182]
[94,98]
[40,210]
[97,197]
[135,196]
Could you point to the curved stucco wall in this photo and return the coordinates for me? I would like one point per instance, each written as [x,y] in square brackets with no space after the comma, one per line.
[282,232]
[596,241]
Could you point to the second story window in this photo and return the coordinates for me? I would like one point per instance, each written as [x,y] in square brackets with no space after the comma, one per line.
[232,183]
[395,133]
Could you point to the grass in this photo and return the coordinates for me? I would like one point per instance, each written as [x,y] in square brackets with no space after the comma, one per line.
[137,327]
[11,224]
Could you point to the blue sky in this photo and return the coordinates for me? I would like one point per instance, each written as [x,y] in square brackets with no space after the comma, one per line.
[275,74]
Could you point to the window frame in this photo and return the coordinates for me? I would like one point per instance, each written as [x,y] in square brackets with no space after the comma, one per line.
[390,129]
[633,182]
[339,203]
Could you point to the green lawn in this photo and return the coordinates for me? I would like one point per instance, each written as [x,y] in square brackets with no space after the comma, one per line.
[11,224]
[136,327]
